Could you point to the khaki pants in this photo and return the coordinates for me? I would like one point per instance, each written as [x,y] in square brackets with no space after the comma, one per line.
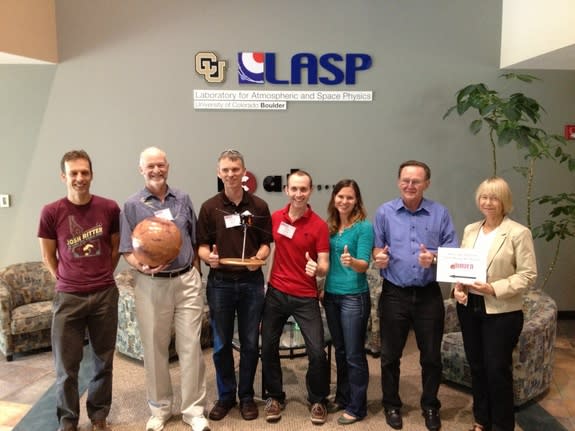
[159,302]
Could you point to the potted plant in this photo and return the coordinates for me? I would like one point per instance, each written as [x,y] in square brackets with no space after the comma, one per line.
[515,119]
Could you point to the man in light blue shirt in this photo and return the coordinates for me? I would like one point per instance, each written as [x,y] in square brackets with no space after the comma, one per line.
[407,232]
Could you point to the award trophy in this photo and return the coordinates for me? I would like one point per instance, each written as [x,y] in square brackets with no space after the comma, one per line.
[246,220]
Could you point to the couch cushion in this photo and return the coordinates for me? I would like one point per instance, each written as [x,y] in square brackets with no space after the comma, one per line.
[373,337]
[454,361]
[31,317]
[532,357]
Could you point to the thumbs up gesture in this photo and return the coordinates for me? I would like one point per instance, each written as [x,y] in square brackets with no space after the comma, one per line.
[425,258]
[346,258]
[382,258]
[214,257]
[310,266]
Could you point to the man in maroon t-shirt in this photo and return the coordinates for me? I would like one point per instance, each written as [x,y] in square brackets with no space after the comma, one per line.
[301,253]
[79,239]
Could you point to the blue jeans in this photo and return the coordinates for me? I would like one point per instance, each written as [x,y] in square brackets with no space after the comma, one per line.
[278,308]
[347,317]
[228,294]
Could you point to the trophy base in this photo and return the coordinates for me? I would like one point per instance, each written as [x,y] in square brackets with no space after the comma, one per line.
[238,261]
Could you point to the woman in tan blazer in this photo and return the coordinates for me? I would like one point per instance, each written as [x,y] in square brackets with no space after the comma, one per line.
[490,313]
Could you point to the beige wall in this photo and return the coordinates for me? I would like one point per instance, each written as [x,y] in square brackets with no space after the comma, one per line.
[126,79]
[28,31]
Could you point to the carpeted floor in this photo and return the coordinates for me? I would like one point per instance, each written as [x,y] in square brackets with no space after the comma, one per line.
[130,411]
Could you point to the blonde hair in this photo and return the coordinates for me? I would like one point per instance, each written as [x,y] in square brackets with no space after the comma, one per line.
[498,187]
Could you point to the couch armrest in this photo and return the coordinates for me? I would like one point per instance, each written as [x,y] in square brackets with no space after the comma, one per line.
[5,303]
[5,314]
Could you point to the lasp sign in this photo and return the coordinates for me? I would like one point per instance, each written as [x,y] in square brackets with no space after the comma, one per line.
[327,69]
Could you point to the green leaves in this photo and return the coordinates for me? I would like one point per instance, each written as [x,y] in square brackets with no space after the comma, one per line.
[515,119]
[475,126]
[561,221]
[510,119]
[522,77]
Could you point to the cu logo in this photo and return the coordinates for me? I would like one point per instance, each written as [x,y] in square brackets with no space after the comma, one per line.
[209,67]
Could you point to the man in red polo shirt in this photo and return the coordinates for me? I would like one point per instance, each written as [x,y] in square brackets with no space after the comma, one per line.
[301,254]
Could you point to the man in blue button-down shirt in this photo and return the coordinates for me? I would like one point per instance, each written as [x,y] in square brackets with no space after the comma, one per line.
[408,230]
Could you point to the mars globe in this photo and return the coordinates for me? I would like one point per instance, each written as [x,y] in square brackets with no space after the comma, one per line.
[156,241]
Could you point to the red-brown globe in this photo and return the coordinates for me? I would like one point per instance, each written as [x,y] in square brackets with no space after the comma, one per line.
[156,241]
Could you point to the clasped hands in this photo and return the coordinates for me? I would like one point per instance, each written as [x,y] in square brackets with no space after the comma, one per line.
[461,291]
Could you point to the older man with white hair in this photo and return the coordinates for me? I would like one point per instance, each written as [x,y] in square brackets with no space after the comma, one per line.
[166,295]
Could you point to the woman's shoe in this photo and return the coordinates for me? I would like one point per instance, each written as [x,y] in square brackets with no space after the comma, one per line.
[334,407]
[343,420]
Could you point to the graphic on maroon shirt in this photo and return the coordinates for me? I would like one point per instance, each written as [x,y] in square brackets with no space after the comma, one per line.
[84,242]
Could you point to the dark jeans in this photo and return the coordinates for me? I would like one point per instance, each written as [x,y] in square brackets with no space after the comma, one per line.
[73,314]
[277,309]
[401,308]
[489,340]
[347,317]
[229,294]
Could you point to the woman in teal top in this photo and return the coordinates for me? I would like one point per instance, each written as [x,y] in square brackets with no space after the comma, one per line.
[347,301]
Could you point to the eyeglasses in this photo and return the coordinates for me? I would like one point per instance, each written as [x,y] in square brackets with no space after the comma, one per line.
[406,182]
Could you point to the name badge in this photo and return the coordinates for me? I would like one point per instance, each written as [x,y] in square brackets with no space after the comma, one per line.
[286,230]
[166,214]
[232,220]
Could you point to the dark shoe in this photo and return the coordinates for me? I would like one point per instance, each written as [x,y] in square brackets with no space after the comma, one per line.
[342,420]
[393,418]
[334,407]
[100,425]
[220,409]
[432,419]
[318,413]
[273,410]
[249,410]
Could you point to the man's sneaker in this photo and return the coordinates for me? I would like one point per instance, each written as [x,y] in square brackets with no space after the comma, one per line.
[156,423]
[273,410]
[200,423]
[318,413]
